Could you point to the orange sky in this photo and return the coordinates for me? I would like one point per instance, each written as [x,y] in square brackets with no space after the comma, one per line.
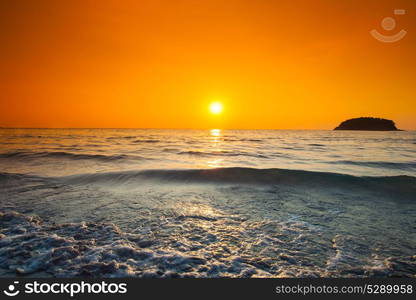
[301,64]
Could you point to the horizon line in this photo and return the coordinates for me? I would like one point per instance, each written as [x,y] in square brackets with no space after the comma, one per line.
[166,128]
[162,128]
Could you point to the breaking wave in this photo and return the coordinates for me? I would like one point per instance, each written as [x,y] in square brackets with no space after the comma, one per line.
[398,184]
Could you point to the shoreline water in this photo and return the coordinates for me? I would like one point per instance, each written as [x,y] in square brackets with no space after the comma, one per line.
[111,204]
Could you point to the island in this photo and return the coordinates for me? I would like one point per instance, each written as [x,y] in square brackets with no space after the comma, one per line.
[368,123]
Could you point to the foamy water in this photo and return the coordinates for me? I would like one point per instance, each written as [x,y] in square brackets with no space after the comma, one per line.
[207,203]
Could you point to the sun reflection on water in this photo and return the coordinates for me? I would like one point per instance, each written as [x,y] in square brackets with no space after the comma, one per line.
[216,146]
[215,132]
[215,163]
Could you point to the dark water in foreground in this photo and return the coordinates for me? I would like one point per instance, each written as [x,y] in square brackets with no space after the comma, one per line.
[169,203]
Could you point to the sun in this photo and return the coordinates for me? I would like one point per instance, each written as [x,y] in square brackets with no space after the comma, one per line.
[216,108]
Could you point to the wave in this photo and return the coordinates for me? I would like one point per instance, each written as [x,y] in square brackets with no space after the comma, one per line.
[129,137]
[239,175]
[405,185]
[379,164]
[15,177]
[68,155]
[242,140]
[145,141]
[399,186]
[221,153]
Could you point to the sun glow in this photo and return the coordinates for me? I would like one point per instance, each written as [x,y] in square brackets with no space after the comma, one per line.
[216,108]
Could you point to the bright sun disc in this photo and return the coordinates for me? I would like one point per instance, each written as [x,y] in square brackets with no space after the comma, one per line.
[215,108]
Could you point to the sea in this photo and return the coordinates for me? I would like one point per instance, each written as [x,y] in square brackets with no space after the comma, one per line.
[168,203]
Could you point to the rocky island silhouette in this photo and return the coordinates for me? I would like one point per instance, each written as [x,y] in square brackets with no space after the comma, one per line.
[368,123]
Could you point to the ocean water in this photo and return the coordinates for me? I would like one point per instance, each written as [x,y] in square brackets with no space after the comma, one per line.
[207,203]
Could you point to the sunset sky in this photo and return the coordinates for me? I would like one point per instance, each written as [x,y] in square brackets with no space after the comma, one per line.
[298,64]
